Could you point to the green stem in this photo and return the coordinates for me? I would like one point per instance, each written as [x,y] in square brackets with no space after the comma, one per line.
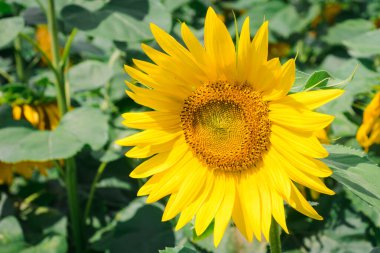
[93,188]
[18,59]
[274,237]
[72,195]
[64,104]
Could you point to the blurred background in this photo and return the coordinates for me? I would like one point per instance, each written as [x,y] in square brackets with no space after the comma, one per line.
[340,39]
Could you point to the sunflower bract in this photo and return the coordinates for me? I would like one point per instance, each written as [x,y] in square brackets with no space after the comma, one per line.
[225,139]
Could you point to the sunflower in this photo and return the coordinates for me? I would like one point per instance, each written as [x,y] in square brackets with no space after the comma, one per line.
[224,138]
[43,117]
[369,132]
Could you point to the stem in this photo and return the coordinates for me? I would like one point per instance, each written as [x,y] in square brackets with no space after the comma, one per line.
[67,48]
[93,188]
[72,195]
[274,237]
[60,84]
[18,60]
[63,105]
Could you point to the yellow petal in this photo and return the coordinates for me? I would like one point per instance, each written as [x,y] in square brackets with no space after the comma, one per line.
[298,119]
[219,46]
[266,207]
[188,213]
[188,191]
[244,52]
[144,151]
[298,202]
[299,161]
[178,52]
[313,99]
[278,210]
[305,143]
[153,119]
[160,162]
[171,180]
[150,136]
[276,174]
[208,210]
[223,215]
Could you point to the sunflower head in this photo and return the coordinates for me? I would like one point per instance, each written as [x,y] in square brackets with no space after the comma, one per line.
[369,132]
[224,137]
[43,116]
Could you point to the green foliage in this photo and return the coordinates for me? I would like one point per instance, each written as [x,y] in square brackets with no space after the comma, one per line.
[76,129]
[356,172]
[9,29]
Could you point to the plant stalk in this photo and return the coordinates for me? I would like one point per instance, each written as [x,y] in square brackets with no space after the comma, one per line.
[274,237]
[92,190]
[18,60]
[63,105]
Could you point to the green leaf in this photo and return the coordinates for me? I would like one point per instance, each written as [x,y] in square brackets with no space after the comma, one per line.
[139,226]
[83,126]
[51,244]
[11,236]
[355,171]
[89,75]
[364,45]
[119,20]
[88,125]
[9,29]
[178,249]
[347,30]
[318,79]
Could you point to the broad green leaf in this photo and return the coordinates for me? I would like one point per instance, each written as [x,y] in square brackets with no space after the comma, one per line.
[9,29]
[353,169]
[83,126]
[119,20]
[347,30]
[365,45]
[178,249]
[51,244]
[262,11]
[139,226]
[11,235]
[318,79]
[89,75]
[289,21]
[88,125]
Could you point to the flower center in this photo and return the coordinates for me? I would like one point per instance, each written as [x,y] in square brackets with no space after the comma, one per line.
[227,126]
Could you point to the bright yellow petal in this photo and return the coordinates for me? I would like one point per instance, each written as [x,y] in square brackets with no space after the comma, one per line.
[298,202]
[299,161]
[304,143]
[188,191]
[208,210]
[298,119]
[152,119]
[172,179]
[150,136]
[266,206]
[244,52]
[198,52]
[188,213]
[149,150]
[176,50]
[219,46]
[160,162]
[223,215]
[278,210]
[313,99]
